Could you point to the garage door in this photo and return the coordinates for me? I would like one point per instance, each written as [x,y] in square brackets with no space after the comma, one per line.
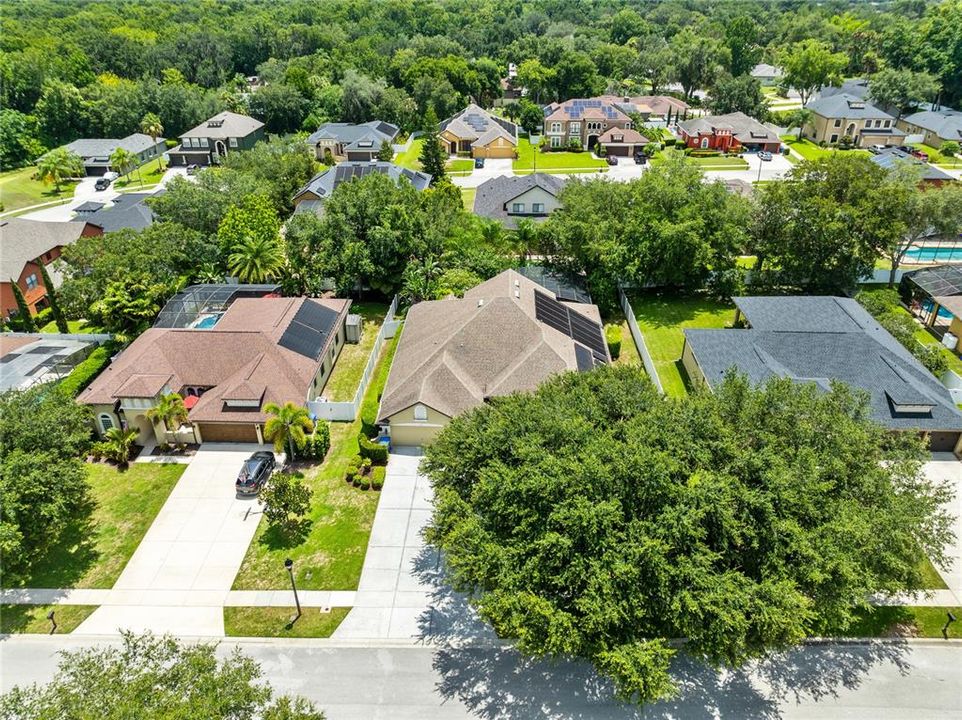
[619,150]
[413,435]
[228,432]
[943,441]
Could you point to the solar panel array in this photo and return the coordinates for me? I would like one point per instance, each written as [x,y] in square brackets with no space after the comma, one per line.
[309,330]
[584,358]
[564,288]
[477,122]
[572,323]
[575,109]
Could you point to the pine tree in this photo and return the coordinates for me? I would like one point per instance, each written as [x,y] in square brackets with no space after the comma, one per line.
[386,153]
[55,308]
[24,317]
[432,151]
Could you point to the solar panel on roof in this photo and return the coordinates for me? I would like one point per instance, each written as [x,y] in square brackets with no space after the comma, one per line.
[584,358]
[563,319]
[309,329]
[47,349]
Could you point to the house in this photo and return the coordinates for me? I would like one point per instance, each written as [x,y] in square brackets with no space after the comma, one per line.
[582,120]
[652,108]
[934,126]
[856,87]
[476,131]
[767,74]
[622,143]
[228,350]
[824,339]
[934,296]
[346,141]
[890,158]
[507,334]
[25,246]
[128,211]
[96,152]
[210,141]
[312,196]
[847,116]
[732,132]
[509,199]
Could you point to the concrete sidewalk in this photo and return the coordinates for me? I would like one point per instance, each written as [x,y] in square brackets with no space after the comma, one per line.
[179,598]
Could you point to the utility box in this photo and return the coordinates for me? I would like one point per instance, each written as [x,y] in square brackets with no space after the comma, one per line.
[353,328]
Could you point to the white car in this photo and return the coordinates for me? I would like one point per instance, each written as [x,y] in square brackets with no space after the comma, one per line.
[111,175]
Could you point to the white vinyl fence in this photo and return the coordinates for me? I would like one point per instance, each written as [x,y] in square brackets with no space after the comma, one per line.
[348,411]
[639,340]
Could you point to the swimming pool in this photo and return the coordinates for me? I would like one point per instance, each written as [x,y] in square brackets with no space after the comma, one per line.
[943,313]
[935,254]
[207,322]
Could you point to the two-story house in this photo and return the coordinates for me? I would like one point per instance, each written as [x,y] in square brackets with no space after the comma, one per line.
[510,199]
[347,141]
[846,116]
[731,132]
[210,141]
[584,120]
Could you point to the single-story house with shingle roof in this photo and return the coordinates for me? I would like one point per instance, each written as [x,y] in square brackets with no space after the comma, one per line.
[728,132]
[845,115]
[824,339]
[510,199]
[346,141]
[312,196]
[767,74]
[506,335]
[96,152]
[128,211]
[476,131]
[935,126]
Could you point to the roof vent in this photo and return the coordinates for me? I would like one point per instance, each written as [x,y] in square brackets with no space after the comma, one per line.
[517,294]
[517,283]
[480,302]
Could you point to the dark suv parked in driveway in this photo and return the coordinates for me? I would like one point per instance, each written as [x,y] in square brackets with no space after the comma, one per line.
[257,468]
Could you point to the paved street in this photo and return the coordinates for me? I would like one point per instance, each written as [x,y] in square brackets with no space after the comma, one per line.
[859,682]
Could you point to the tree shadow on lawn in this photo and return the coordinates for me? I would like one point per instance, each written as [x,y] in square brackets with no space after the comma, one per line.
[278,537]
[498,683]
[663,309]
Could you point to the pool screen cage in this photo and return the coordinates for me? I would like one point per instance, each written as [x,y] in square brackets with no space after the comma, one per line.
[189,304]
[925,292]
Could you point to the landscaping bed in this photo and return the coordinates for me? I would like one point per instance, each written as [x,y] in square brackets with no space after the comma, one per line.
[276,622]
[32,619]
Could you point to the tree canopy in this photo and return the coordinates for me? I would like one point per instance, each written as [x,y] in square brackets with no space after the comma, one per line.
[596,518]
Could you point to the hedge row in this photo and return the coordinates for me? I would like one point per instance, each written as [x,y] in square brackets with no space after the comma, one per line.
[373,451]
[85,372]
[319,442]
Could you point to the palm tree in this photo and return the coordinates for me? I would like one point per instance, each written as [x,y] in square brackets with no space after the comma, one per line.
[289,426]
[58,165]
[119,443]
[524,239]
[170,410]
[256,259]
[123,161]
[802,117]
[151,125]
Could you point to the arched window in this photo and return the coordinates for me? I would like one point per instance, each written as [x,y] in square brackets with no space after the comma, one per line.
[704,143]
[420,412]
[106,422]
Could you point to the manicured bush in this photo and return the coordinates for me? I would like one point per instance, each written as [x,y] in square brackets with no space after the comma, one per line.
[670,142]
[319,442]
[377,477]
[43,317]
[352,468]
[85,372]
[376,452]
[613,338]
[697,152]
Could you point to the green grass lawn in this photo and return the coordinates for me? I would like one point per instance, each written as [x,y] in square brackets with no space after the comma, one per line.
[629,353]
[931,580]
[33,618]
[460,166]
[330,555]
[554,161]
[924,622]
[926,338]
[18,189]
[148,174]
[344,379]
[73,326]
[409,158]
[937,158]
[95,548]
[810,151]
[276,622]
[662,321]
[720,163]
[467,198]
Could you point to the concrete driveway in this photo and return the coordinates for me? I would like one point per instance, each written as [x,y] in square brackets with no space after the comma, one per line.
[945,467]
[196,543]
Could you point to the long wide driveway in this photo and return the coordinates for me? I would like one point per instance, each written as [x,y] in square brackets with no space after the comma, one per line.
[180,574]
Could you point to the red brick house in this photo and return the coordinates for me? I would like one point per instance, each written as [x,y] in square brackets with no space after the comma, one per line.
[25,246]
[731,132]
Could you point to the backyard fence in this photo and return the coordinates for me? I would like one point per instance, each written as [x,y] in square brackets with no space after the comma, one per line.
[348,411]
[639,340]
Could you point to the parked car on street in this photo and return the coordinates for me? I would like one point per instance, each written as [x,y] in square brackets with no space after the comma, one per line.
[191,169]
[479,162]
[764,155]
[924,156]
[257,468]
[102,183]
[611,160]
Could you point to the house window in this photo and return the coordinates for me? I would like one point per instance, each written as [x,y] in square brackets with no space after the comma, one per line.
[886,123]
[878,123]
[627,126]
[555,142]
[31,281]
[537,207]
[233,142]
[574,128]
[704,143]
[106,422]
[833,139]
[838,122]
[556,127]
[203,142]
[420,413]
[517,207]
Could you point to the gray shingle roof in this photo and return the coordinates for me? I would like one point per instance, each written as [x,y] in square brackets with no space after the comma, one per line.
[24,240]
[946,123]
[494,195]
[891,158]
[844,105]
[746,129]
[128,211]
[475,122]
[351,136]
[324,183]
[820,339]
[103,147]
[225,125]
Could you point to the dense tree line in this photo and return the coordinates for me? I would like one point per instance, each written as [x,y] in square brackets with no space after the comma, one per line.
[95,70]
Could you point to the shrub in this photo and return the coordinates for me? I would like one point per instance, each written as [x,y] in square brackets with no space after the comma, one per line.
[371,450]
[698,152]
[43,317]
[85,372]
[613,338]
[352,467]
[377,477]
[319,442]
[932,357]
[365,483]
[670,142]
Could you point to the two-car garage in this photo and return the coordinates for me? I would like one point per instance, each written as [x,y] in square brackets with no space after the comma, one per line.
[229,432]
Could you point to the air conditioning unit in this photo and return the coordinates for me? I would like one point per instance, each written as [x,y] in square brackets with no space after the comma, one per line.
[353,328]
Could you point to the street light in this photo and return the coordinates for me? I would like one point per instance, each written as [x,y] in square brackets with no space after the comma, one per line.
[289,564]
[945,628]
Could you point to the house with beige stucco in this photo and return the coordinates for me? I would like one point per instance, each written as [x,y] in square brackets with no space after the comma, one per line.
[476,132]
[507,334]
[846,116]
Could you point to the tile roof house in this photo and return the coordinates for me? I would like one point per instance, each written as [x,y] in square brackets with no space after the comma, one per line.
[728,132]
[207,143]
[346,141]
[891,158]
[476,131]
[935,126]
[821,339]
[622,143]
[509,199]
[651,107]
[227,365]
[505,335]
[96,152]
[128,211]
[844,115]
[312,196]
[25,246]
[584,120]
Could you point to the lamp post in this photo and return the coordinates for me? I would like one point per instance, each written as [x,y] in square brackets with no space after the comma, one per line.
[945,628]
[289,564]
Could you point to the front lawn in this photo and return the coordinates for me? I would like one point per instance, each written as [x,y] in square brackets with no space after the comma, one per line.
[276,622]
[662,321]
[410,157]
[19,190]
[554,162]
[33,618]
[344,379]
[810,151]
[460,166]
[467,198]
[719,163]
[330,555]
[889,621]
[97,545]
[937,158]
[147,175]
